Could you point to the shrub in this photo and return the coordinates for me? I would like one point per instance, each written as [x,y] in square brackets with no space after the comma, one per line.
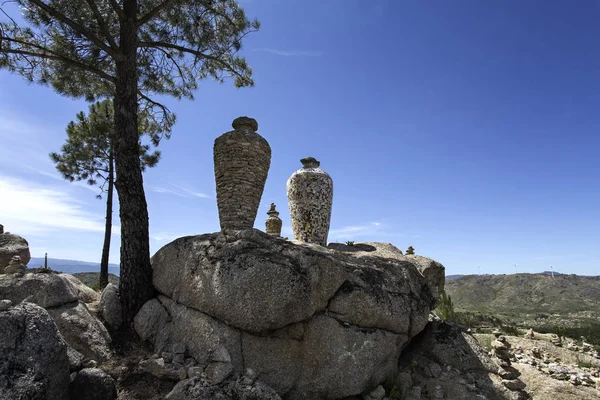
[445,309]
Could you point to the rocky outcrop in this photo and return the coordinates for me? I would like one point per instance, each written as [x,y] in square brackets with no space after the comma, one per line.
[33,355]
[57,294]
[10,246]
[312,322]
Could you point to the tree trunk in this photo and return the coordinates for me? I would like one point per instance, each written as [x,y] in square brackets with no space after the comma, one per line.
[108,227]
[136,272]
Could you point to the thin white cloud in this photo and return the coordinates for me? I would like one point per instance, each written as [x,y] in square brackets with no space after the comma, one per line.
[177,190]
[354,231]
[291,53]
[32,209]
[164,237]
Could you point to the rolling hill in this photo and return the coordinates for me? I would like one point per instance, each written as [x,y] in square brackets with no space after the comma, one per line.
[526,293]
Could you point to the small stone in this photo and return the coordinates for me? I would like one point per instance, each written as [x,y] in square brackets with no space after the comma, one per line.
[5,305]
[435,370]
[90,364]
[179,348]
[217,372]
[72,376]
[190,362]
[438,393]
[194,371]
[377,394]
[220,354]
[179,359]
[168,357]
[514,384]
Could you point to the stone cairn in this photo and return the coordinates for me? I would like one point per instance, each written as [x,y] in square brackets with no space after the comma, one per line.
[1,229]
[310,198]
[509,375]
[15,267]
[241,159]
[410,251]
[273,223]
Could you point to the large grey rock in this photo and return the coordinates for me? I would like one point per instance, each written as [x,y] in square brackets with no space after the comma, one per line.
[13,245]
[110,306]
[311,322]
[246,279]
[84,292]
[150,320]
[46,290]
[33,356]
[93,384]
[82,331]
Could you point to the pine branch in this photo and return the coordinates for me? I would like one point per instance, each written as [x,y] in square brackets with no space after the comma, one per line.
[76,27]
[61,59]
[199,54]
[103,25]
[118,10]
[154,12]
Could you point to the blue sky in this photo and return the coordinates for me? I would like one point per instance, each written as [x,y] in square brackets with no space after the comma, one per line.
[467,129]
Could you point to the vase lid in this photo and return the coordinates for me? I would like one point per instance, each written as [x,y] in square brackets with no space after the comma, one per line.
[310,162]
[272,211]
[245,122]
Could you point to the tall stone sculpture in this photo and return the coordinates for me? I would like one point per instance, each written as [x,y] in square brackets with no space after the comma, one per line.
[273,223]
[1,229]
[242,158]
[310,197]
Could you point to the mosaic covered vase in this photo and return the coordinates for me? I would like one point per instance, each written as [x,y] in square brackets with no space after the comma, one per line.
[242,158]
[310,197]
[273,223]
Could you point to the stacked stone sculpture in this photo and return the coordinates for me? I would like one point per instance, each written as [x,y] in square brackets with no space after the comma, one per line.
[410,251]
[242,159]
[310,197]
[273,223]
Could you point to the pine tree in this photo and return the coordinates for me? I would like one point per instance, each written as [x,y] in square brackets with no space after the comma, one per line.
[126,50]
[87,155]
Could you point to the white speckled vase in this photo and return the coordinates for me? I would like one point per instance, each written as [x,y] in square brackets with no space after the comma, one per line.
[310,197]
[242,159]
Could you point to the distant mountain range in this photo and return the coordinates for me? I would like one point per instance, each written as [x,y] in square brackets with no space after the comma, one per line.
[71,266]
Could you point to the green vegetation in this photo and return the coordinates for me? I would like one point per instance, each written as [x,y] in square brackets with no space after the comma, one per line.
[445,309]
[349,243]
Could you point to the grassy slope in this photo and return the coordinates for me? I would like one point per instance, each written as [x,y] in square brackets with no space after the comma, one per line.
[525,294]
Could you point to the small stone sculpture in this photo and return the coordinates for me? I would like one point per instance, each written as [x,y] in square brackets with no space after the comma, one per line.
[242,159]
[410,251]
[273,223]
[15,266]
[1,229]
[310,197]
